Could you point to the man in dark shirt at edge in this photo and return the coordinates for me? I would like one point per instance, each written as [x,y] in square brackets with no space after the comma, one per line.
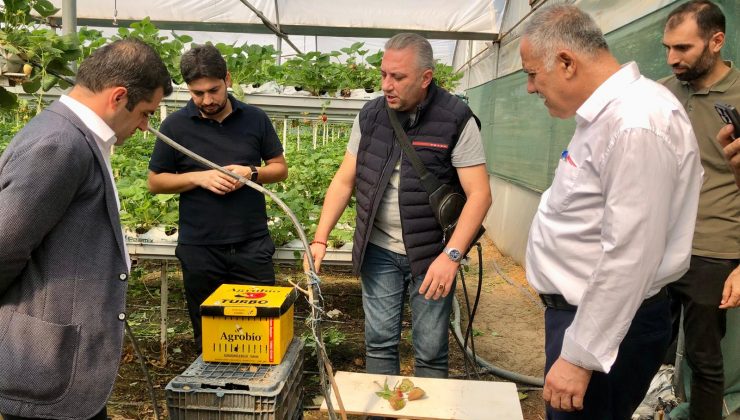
[223,236]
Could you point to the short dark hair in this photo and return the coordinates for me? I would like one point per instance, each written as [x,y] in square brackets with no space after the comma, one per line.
[202,61]
[709,18]
[129,63]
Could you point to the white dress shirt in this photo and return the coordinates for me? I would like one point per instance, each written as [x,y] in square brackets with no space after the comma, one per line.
[105,138]
[616,224]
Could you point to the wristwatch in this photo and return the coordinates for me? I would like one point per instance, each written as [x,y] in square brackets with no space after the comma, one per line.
[454,254]
[253,176]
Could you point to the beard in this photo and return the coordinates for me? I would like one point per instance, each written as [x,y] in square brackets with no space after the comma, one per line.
[213,109]
[699,69]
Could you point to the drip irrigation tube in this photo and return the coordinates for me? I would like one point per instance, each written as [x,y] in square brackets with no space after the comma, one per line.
[521,288]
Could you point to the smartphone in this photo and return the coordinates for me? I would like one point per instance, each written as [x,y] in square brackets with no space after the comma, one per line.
[729,115]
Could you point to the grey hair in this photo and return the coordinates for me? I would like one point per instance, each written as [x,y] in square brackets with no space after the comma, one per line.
[422,47]
[563,26]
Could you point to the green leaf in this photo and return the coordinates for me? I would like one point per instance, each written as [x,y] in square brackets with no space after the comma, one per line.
[406,385]
[33,85]
[48,82]
[45,8]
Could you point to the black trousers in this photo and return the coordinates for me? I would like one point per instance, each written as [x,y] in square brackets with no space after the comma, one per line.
[206,267]
[699,291]
[102,415]
[615,395]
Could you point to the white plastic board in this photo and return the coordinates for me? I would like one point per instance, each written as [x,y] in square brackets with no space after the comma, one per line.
[445,398]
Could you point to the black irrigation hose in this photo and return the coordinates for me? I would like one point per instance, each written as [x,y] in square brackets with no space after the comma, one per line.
[66,79]
[471,313]
[142,363]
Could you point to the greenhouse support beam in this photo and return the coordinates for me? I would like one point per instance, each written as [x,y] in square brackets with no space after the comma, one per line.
[69,23]
[293,107]
[69,17]
[279,58]
[270,25]
[311,30]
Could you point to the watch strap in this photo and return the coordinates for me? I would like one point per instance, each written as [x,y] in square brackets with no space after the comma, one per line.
[253,176]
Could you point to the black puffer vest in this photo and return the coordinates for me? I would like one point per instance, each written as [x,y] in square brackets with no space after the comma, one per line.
[440,119]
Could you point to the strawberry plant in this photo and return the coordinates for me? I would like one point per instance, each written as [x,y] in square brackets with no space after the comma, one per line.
[361,72]
[314,72]
[309,174]
[27,39]
[141,210]
[89,40]
[250,64]
[445,76]
[169,49]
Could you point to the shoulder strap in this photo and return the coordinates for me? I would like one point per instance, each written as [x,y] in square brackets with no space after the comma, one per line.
[428,180]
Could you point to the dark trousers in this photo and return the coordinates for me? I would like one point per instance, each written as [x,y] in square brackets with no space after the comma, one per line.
[699,291]
[206,267]
[102,415]
[615,395]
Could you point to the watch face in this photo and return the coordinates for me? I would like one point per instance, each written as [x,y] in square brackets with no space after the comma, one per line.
[454,254]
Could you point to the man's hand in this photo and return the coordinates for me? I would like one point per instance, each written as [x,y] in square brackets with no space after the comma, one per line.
[438,280]
[318,252]
[731,149]
[244,171]
[565,386]
[731,292]
[214,181]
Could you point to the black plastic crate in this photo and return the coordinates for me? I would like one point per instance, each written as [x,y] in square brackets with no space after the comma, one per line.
[234,391]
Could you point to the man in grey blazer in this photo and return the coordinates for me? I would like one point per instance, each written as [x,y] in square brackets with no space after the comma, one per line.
[63,261]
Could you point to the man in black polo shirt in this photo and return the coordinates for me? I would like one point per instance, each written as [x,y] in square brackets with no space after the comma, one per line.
[223,236]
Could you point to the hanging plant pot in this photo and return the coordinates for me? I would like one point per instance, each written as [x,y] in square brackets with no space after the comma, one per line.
[322,92]
[298,88]
[369,90]
[256,85]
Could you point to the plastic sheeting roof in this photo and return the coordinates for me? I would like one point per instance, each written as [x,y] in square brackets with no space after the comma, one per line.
[322,25]
[482,61]
[471,19]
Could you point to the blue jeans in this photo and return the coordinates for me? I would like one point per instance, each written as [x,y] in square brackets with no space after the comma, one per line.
[386,281]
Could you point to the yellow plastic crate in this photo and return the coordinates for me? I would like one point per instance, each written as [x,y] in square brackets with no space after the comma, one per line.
[247,324]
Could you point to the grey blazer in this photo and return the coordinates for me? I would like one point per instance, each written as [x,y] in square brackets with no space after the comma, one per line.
[63,272]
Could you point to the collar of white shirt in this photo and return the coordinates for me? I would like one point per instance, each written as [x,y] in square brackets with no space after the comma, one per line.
[105,136]
[605,93]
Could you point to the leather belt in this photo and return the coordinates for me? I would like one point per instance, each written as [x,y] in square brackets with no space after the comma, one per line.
[558,301]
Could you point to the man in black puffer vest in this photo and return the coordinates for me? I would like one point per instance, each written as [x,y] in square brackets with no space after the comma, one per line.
[398,245]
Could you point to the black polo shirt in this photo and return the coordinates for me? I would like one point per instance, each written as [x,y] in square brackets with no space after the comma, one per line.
[245,137]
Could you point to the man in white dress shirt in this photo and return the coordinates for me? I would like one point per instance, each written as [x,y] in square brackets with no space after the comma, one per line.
[615,226]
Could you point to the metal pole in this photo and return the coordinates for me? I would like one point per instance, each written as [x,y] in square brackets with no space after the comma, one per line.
[69,23]
[163,297]
[270,25]
[279,39]
[285,133]
[69,17]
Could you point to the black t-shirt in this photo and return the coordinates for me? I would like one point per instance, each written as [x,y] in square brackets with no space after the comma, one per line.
[245,137]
